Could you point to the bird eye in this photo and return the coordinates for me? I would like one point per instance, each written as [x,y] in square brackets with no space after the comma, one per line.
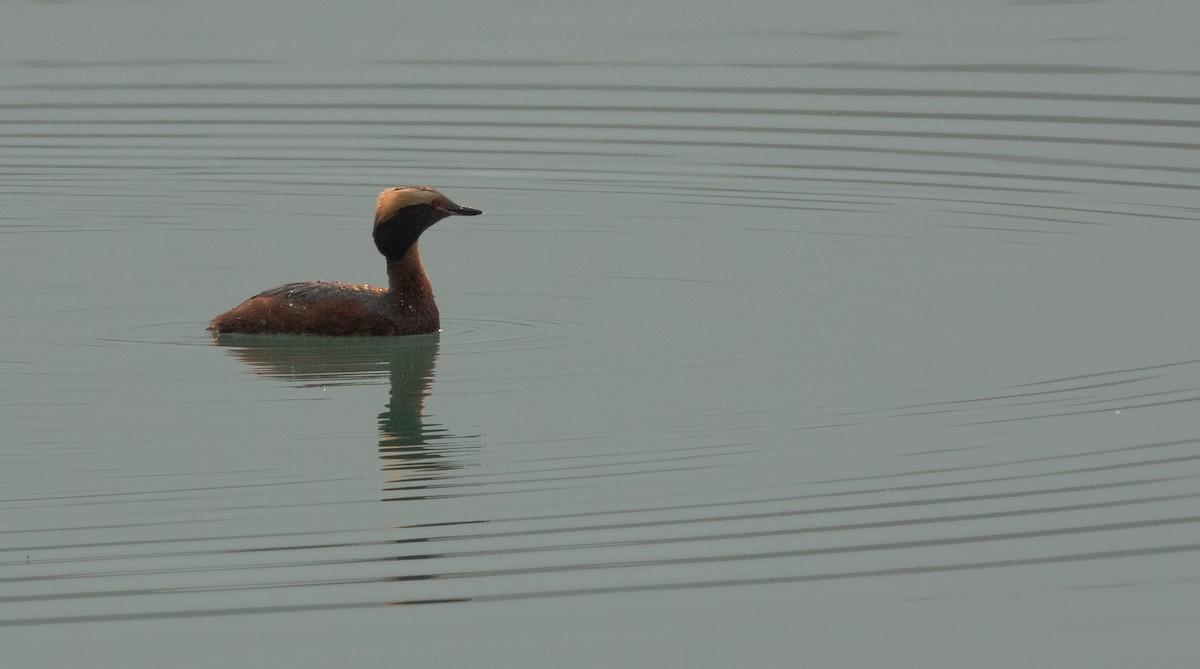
[438,204]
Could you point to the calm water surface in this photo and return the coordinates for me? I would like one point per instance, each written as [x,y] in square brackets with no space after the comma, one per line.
[857,334]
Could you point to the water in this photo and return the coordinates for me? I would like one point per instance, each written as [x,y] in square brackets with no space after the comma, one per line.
[860,334]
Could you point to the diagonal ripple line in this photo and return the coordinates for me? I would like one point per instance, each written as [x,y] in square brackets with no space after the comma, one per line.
[770,555]
[898,571]
[688,585]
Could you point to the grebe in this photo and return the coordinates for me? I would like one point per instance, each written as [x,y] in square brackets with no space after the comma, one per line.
[405,307]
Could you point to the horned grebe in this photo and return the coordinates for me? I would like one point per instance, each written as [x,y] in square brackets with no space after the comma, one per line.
[405,307]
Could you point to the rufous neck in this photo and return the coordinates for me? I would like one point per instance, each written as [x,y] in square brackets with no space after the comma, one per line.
[406,275]
[410,295]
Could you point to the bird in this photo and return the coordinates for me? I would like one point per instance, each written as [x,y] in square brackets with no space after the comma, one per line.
[336,308]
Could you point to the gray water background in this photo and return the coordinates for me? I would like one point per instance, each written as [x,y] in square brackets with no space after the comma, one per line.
[796,334]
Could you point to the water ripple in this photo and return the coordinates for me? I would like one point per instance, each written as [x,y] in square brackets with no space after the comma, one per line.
[727,325]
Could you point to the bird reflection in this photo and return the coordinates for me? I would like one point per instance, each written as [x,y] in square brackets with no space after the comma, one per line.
[410,449]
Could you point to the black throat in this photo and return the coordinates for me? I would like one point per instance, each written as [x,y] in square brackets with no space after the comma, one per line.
[397,233]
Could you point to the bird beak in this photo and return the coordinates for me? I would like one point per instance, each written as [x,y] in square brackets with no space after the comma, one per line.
[460,210]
